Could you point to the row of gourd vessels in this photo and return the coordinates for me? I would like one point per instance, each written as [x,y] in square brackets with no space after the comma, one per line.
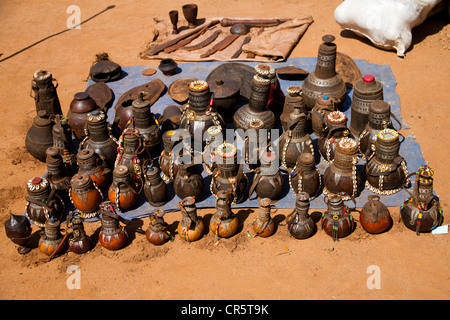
[133,169]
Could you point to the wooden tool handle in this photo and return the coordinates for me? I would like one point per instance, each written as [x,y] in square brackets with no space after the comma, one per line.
[227,22]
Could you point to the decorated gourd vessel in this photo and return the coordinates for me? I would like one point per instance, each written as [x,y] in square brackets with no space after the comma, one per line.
[112,235]
[365,91]
[188,182]
[62,139]
[295,140]
[301,225]
[173,149]
[79,242]
[42,202]
[263,225]
[85,195]
[228,174]
[51,239]
[45,94]
[335,130]
[40,136]
[379,118]
[342,175]
[58,173]
[92,164]
[199,114]
[422,212]
[18,230]
[268,181]
[122,192]
[386,170]
[324,80]
[99,138]
[254,118]
[293,100]
[155,189]
[131,154]
[375,216]
[157,232]
[323,106]
[224,222]
[337,220]
[146,124]
[305,177]
[191,227]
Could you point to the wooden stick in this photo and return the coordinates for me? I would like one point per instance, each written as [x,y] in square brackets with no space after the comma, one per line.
[204,43]
[186,41]
[221,45]
[227,22]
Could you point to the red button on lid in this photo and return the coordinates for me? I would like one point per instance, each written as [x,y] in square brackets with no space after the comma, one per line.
[369,78]
[36,180]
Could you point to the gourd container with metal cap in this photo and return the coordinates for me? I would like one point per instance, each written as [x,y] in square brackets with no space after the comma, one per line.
[386,170]
[112,235]
[224,222]
[173,149]
[82,104]
[365,91]
[268,181]
[155,189]
[228,174]
[255,114]
[263,225]
[199,113]
[251,119]
[335,130]
[379,118]
[375,216]
[188,182]
[292,100]
[131,155]
[213,138]
[51,238]
[57,173]
[89,162]
[324,80]
[62,139]
[79,241]
[295,140]
[148,128]
[40,136]
[301,225]
[121,191]
[85,195]
[421,212]
[45,95]
[342,175]
[305,177]
[323,106]
[191,227]
[157,232]
[99,137]
[337,220]
[42,202]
